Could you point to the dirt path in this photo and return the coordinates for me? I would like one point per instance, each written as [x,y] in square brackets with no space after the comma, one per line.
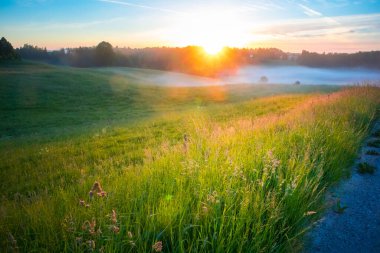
[354,225]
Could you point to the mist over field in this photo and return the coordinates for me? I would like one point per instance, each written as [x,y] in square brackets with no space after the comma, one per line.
[252,75]
[305,75]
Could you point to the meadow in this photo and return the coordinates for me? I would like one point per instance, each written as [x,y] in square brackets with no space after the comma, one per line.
[93,161]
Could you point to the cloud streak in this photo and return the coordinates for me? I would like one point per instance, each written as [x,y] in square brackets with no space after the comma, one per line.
[310,12]
[140,6]
[322,26]
[65,26]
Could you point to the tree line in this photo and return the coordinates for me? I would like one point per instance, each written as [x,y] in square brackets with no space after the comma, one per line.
[360,59]
[191,59]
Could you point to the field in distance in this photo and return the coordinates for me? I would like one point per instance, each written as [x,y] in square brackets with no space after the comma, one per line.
[45,99]
[237,168]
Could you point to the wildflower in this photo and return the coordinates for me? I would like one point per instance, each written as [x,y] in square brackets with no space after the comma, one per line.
[130,235]
[91,194]
[87,205]
[157,247]
[81,202]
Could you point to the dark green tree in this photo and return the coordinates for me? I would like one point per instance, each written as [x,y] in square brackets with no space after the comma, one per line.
[7,51]
[104,54]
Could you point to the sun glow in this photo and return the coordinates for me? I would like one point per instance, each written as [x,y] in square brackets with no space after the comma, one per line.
[212,49]
[211,29]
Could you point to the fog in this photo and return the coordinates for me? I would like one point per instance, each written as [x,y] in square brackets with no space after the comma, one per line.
[252,75]
[305,75]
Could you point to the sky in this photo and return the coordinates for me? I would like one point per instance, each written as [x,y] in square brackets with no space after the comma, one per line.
[291,25]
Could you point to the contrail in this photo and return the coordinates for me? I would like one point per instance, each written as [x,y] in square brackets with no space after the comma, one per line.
[141,6]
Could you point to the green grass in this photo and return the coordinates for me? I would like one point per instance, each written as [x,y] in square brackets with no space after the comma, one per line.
[38,99]
[250,168]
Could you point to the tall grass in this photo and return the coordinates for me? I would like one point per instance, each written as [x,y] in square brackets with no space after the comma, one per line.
[215,181]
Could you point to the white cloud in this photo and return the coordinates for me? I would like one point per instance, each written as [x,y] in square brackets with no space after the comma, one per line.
[310,12]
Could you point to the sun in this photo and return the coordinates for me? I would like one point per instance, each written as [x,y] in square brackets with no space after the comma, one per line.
[212,49]
[212,29]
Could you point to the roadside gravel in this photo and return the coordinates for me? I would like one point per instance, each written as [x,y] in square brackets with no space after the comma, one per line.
[357,227]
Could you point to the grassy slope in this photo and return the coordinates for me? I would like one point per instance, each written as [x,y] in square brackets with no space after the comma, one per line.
[242,182]
[42,99]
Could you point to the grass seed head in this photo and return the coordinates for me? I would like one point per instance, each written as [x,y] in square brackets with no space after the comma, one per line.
[13,243]
[114,217]
[157,247]
[96,187]
[308,213]
[91,244]
[115,229]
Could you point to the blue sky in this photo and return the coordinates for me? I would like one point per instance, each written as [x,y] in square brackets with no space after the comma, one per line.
[318,25]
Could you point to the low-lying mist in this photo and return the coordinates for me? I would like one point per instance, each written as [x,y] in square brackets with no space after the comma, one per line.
[253,75]
[305,75]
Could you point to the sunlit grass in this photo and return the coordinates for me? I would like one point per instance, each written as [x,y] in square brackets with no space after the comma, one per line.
[235,177]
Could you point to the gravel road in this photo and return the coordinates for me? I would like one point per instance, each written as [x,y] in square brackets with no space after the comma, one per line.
[357,227]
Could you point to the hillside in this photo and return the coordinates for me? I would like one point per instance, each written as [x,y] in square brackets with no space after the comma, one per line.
[95,161]
[39,98]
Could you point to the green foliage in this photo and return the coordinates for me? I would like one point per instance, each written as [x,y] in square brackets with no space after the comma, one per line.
[374,144]
[365,168]
[372,152]
[242,180]
[6,51]
[377,134]
[338,208]
[104,54]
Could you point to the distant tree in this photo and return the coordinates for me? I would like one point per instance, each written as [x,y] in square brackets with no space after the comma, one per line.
[331,60]
[33,53]
[104,54]
[7,51]
[297,83]
[263,79]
